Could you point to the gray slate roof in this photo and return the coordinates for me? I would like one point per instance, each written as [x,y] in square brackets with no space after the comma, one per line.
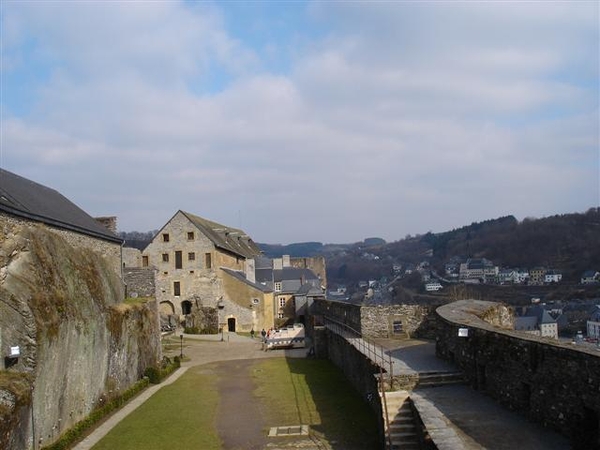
[29,200]
[224,237]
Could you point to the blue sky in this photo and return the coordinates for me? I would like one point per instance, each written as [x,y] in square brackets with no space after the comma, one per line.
[298,121]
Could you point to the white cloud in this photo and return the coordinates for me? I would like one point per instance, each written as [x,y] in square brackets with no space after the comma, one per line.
[403,118]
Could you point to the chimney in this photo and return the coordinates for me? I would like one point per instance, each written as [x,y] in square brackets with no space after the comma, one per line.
[109,222]
[286,261]
[251,270]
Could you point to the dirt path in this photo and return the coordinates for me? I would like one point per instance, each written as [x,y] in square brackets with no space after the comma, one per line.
[239,421]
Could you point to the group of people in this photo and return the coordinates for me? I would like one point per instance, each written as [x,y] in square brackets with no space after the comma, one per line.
[264,334]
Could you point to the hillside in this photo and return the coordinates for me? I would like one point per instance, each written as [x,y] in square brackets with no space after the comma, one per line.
[567,242]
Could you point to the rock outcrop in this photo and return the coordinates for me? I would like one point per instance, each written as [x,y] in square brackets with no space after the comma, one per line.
[79,342]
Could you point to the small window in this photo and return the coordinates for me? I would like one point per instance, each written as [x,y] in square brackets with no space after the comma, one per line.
[145,261]
[278,286]
[176,288]
[165,237]
[282,302]
[255,301]
[191,256]
[207,261]
[397,326]
[190,235]
[280,315]
[165,257]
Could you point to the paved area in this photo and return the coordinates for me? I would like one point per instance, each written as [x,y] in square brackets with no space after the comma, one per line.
[459,412]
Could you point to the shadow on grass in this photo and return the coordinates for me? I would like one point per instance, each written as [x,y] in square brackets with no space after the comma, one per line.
[334,410]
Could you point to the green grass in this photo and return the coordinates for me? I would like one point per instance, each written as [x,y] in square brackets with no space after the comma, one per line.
[289,392]
[315,392]
[179,415]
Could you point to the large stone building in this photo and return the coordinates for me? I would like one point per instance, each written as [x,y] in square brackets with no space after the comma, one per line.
[203,264]
[202,267]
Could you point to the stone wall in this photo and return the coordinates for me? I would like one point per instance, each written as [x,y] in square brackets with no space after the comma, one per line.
[378,321]
[63,306]
[251,307]
[555,384]
[359,371]
[132,257]
[397,321]
[139,282]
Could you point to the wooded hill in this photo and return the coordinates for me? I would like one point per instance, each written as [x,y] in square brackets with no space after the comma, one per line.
[568,242]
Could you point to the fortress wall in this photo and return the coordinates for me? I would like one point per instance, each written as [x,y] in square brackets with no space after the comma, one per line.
[555,384]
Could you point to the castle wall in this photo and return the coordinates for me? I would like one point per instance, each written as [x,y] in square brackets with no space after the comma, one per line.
[555,384]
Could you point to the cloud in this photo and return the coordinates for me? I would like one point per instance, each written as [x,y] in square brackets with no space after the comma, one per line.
[398,118]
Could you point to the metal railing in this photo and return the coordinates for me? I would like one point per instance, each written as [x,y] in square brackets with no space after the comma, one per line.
[373,351]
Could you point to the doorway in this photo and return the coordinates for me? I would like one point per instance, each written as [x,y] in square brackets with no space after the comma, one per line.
[231,324]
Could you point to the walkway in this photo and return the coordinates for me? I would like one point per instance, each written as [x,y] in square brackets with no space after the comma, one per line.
[459,417]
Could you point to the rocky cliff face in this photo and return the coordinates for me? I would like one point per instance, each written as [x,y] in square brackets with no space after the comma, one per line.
[79,342]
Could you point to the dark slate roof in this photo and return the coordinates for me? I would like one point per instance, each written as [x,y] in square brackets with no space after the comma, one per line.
[26,199]
[526,323]
[293,273]
[224,237]
[240,276]
[309,290]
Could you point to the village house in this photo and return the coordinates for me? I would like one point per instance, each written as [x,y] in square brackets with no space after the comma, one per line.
[593,324]
[590,277]
[537,320]
[478,270]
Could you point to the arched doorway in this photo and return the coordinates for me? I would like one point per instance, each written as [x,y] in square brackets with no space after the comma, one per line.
[166,308]
[231,324]
[186,307]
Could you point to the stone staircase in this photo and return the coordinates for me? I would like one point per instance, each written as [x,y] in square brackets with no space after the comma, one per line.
[438,378]
[401,422]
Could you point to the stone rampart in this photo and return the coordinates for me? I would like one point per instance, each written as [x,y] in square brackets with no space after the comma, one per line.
[391,321]
[139,282]
[555,384]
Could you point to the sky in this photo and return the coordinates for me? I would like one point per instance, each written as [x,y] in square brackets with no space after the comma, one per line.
[328,121]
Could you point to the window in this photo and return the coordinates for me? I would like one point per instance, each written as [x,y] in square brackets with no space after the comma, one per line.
[145,261]
[280,315]
[165,257]
[186,307]
[282,302]
[191,256]
[397,326]
[178,259]
[190,235]
[165,237]
[176,288]
[207,261]
[278,286]
[255,301]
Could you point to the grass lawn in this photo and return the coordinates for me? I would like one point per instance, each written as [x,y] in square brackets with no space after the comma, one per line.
[315,392]
[289,392]
[180,415]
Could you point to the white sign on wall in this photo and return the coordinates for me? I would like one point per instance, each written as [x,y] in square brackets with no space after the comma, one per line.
[463,332]
[15,351]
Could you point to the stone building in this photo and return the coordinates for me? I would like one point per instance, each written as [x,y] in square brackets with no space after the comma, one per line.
[203,264]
